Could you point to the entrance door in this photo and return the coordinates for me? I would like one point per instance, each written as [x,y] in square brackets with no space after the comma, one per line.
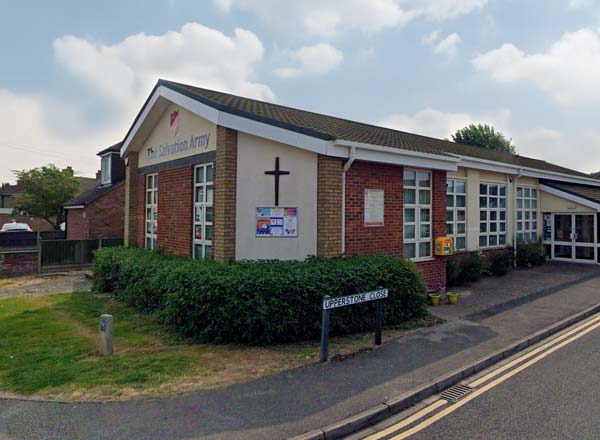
[574,238]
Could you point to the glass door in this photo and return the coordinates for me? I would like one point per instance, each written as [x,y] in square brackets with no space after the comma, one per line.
[584,237]
[563,237]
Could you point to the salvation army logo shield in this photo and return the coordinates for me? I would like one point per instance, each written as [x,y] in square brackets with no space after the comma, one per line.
[174,122]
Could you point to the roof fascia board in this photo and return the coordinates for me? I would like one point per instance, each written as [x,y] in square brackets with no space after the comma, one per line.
[483,164]
[569,196]
[74,207]
[398,151]
[138,123]
[396,158]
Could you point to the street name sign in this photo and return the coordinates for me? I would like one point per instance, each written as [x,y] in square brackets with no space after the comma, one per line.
[332,303]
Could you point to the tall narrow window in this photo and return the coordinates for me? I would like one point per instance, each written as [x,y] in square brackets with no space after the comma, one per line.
[151,210]
[105,169]
[492,215]
[527,229]
[456,212]
[417,214]
[203,211]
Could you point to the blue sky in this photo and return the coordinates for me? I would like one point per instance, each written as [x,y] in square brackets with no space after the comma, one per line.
[75,73]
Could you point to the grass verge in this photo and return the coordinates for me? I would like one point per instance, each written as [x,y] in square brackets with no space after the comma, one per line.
[48,349]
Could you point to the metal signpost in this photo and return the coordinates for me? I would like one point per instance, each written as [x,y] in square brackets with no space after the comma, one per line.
[333,303]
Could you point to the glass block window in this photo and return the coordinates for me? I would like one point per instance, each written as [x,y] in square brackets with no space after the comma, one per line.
[456,212]
[203,210]
[151,210]
[527,212]
[417,214]
[492,215]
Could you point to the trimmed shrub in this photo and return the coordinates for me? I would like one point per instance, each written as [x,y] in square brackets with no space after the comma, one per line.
[471,268]
[258,302]
[499,263]
[453,271]
[530,253]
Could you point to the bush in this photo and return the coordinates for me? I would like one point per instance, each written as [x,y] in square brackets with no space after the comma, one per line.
[471,268]
[258,301]
[530,253]
[500,263]
[453,272]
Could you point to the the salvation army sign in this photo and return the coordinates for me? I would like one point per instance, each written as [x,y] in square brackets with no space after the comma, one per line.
[178,134]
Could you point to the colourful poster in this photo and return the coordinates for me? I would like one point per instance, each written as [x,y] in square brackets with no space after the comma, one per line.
[276,222]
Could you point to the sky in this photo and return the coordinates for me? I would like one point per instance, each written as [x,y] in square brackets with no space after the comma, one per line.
[73,74]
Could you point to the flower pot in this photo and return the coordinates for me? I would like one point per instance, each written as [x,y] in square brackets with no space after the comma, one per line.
[435,299]
[452,297]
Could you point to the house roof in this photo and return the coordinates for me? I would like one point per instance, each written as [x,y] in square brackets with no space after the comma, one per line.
[112,149]
[591,193]
[332,128]
[92,194]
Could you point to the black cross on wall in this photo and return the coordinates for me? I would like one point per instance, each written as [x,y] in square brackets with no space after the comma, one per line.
[276,173]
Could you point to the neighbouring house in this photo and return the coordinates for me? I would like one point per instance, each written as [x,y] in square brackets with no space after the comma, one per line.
[99,212]
[213,175]
[8,200]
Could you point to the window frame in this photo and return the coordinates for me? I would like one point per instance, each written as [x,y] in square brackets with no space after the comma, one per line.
[532,211]
[151,223]
[497,210]
[202,206]
[454,209]
[417,206]
[105,169]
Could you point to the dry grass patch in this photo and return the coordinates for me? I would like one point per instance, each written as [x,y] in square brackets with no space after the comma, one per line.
[48,349]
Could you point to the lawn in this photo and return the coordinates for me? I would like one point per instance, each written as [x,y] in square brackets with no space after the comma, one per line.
[48,348]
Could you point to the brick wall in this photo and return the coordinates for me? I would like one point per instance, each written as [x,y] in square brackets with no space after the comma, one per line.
[329,206]
[132,202]
[175,202]
[77,225]
[388,239]
[106,214]
[18,263]
[225,195]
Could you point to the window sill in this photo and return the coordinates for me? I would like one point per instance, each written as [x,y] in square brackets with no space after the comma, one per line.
[421,260]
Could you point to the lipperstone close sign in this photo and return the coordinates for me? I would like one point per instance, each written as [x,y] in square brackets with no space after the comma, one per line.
[332,303]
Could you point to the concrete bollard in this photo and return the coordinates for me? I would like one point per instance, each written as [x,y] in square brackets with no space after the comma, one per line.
[107,333]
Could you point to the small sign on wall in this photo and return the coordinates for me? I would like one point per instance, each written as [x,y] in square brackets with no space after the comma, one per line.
[374,207]
[276,222]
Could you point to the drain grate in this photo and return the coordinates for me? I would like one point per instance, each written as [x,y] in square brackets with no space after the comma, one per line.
[455,393]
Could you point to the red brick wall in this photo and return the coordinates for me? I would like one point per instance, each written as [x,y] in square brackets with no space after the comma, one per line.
[387,239]
[77,225]
[175,202]
[362,240]
[18,263]
[106,215]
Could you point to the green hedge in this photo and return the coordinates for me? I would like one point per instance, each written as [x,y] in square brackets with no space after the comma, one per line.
[258,301]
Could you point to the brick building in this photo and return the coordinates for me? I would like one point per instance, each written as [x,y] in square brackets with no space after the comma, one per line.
[212,175]
[100,211]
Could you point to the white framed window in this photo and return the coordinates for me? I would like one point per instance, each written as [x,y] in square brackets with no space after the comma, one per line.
[203,210]
[527,213]
[151,210]
[105,169]
[492,215]
[417,214]
[456,212]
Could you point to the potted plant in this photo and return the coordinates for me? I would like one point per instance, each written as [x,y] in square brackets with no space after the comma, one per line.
[452,297]
[435,292]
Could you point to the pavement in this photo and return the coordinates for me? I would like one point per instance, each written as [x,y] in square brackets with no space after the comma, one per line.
[46,284]
[317,395]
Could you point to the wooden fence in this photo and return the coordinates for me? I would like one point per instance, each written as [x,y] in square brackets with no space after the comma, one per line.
[71,253]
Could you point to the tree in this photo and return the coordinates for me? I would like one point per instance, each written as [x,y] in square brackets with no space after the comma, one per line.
[484,136]
[45,191]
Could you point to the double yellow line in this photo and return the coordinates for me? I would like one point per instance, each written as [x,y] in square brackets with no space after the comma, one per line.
[512,368]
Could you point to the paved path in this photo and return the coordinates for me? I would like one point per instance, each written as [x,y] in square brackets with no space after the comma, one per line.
[72,281]
[306,398]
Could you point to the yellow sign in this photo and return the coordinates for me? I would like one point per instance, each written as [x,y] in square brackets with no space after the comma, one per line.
[444,246]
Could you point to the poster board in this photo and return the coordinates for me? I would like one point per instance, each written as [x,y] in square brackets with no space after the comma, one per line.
[276,222]
[374,207]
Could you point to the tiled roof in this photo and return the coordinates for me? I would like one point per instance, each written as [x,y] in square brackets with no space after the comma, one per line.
[92,194]
[591,193]
[331,128]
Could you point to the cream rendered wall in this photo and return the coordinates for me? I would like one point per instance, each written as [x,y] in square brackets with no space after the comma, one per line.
[199,135]
[255,189]
[473,178]
[552,203]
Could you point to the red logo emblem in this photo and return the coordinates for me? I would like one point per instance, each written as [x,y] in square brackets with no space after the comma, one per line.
[174,122]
